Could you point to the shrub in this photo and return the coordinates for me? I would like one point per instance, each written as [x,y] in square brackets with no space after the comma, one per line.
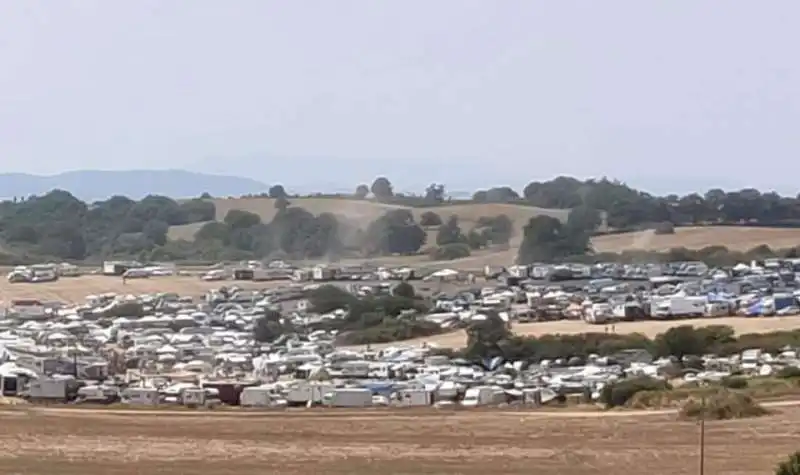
[618,394]
[734,382]
[790,466]
[723,405]
[429,218]
[389,331]
[664,228]
[448,252]
[789,372]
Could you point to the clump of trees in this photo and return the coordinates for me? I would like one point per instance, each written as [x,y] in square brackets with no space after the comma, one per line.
[723,404]
[790,466]
[59,225]
[627,207]
[373,319]
[682,342]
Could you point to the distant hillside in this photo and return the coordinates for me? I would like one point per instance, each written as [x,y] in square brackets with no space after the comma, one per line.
[90,185]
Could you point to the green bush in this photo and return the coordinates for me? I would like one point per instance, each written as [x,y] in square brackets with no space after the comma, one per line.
[429,218]
[620,393]
[448,252]
[789,372]
[790,466]
[664,228]
[733,382]
[678,341]
[723,405]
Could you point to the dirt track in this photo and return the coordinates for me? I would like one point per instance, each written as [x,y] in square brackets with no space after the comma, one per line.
[134,442]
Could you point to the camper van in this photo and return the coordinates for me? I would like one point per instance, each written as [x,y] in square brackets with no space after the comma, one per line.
[43,273]
[483,396]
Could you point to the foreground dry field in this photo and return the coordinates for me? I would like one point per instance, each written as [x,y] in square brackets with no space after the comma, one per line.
[95,443]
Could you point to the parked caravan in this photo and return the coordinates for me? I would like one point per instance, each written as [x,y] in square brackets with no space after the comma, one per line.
[43,273]
[140,396]
[348,397]
[51,389]
[27,309]
[413,398]
[260,396]
[308,393]
[483,396]
[118,268]
[671,307]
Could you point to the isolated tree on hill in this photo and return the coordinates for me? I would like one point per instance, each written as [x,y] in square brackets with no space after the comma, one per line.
[281,203]
[545,239]
[480,196]
[277,191]
[404,289]
[362,191]
[501,194]
[584,218]
[476,240]
[434,193]
[394,233]
[450,232]
[429,218]
[485,337]
[240,219]
[382,188]
[156,231]
[501,228]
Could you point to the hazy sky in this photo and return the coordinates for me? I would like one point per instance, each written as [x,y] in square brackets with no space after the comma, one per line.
[668,95]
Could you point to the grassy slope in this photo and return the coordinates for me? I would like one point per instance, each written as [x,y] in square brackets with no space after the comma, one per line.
[363,212]
[734,238]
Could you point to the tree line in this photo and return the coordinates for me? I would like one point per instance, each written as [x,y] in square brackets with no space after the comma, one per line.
[59,226]
[492,337]
[624,207]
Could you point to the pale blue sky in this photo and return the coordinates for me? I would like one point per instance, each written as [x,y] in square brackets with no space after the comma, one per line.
[669,95]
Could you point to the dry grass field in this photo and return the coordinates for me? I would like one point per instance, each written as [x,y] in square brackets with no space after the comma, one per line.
[80,442]
[734,238]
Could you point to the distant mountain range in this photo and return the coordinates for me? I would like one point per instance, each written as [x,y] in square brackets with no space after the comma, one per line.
[92,185]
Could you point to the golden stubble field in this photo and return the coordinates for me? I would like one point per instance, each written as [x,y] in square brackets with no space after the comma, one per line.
[79,442]
[734,238]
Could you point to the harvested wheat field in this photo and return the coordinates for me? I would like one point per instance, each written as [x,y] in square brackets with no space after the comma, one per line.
[78,442]
[740,238]
[77,288]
